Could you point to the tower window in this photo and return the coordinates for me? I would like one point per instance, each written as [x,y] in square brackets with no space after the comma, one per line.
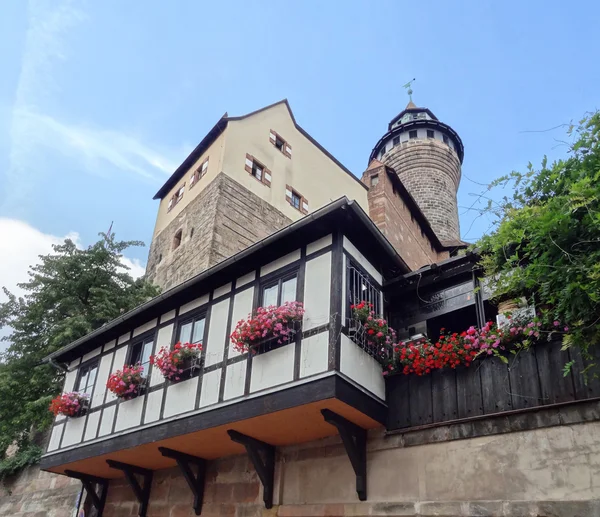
[396,140]
[430,134]
[258,170]
[176,198]
[412,134]
[446,140]
[177,239]
[191,233]
[374,179]
[280,143]
[383,150]
[296,200]
[199,172]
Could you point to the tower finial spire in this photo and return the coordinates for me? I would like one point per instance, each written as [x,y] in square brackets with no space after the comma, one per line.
[409,90]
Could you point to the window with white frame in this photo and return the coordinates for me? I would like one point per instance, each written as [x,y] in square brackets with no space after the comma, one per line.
[86,378]
[280,143]
[257,170]
[296,199]
[280,290]
[140,352]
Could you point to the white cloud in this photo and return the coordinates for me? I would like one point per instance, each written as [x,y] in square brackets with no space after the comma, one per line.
[20,247]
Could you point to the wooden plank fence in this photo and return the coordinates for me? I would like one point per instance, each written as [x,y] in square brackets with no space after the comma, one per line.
[532,379]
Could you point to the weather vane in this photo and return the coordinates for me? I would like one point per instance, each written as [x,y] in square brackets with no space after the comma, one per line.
[408,87]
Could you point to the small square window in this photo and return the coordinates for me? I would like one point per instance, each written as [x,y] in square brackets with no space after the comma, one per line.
[177,239]
[430,134]
[257,171]
[374,179]
[446,140]
[296,200]
[396,140]
[279,143]
[412,134]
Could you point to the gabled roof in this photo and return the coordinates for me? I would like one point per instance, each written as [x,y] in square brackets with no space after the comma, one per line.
[218,128]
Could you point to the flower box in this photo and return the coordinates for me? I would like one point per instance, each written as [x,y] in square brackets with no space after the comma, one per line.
[358,333]
[530,380]
[180,363]
[73,404]
[128,383]
[270,328]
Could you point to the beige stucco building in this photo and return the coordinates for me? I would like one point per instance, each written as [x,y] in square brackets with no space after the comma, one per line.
[249,177]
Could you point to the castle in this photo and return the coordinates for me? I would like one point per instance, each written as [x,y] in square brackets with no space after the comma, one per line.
[258,215]
[255,174]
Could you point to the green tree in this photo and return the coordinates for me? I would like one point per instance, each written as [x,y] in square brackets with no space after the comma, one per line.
[70,293]
[546,244]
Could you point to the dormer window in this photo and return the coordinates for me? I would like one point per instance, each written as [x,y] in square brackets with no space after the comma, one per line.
[280,143]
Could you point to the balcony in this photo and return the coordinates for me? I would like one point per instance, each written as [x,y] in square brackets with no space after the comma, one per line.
[321,383]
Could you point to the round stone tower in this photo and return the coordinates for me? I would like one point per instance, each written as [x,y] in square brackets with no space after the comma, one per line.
[427,155]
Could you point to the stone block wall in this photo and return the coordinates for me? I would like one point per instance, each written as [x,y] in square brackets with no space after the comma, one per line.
[430,171]
[546,471]
[223,220]
[391,215]
[34,493]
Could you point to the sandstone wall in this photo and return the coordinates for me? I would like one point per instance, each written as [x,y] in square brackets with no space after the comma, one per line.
[34,493]
[223,220]
[430,171]
[391,215]
[551,471]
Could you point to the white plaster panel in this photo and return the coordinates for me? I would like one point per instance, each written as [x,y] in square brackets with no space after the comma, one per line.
[210,388]
[314,355]
[217,331]
[123,338]
[92,426]
[167,316]
[361,368]
[145,327]
[246,279]
[129,414]
[272,368]
[110,345]
[235,380]
[317,245]
[91,354]
[118,364]
[70,378]
[242,307]
[220,291]
[317,291]
[181,397]
[153,406]
[193,304]
[106,421]
[101,378]
[163,338]
[280,262]
[55,437]
[74,363]
[73,431]
[360,258]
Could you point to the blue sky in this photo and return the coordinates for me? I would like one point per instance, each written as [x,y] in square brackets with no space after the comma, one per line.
[100,101]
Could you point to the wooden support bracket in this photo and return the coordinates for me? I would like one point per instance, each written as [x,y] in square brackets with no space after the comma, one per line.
[355,443]
[194,481]
[88,482]
[142,492]
[264,465]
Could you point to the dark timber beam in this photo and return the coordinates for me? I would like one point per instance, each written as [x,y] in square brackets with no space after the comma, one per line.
[355,443]
[265,465]
[88,482]
[142,492]
[194,481]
